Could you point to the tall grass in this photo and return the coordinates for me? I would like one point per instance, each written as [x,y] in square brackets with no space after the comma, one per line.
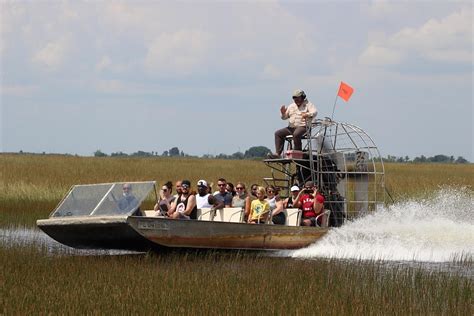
[32,185]
[216,283]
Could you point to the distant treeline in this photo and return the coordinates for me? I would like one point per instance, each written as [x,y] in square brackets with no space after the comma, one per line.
[258,152]
[423,159]
[251,153]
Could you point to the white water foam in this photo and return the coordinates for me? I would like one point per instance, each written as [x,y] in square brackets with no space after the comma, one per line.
[440,229]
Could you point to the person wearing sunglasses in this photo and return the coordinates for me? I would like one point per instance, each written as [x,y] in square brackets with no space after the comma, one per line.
[184,207]
[222,196]
[276,206]
[166,199]
[297,114]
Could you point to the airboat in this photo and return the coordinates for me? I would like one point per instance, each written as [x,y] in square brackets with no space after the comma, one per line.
[340,158]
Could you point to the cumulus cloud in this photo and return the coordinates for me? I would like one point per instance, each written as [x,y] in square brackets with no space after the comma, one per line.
[179,52]
[52,54]
[446,40]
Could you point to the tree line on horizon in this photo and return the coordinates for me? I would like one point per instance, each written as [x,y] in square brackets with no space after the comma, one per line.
[258,152]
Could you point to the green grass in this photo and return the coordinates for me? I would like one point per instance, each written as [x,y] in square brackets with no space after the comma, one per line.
[32,185]
[34,281]
[221,283]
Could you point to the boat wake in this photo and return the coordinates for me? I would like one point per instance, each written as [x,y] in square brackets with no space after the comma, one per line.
[440,229]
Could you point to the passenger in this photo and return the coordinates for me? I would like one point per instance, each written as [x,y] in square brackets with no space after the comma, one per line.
[128,201]
[253,190]
[259,208]
[243,199]
[297,114]
[222,195]
[311,203]
[230,188]
[184,207]
[276,206]
[204,199]
[166,199]
[289,201]
[178,189]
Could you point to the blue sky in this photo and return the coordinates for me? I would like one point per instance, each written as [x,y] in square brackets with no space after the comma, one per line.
[209,76]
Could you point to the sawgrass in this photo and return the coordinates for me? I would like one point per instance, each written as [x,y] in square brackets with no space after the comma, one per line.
[221,283]
[32,185]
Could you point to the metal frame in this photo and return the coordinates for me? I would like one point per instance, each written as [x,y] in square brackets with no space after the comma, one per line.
[336,156]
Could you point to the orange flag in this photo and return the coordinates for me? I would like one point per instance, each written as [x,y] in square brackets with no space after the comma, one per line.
[345,91]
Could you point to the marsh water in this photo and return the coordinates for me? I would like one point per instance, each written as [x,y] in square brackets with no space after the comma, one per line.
[435,234]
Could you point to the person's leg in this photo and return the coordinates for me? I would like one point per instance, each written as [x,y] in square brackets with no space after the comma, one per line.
[297,135]
[280,139]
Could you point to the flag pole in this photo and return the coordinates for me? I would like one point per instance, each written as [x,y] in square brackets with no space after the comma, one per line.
[334,106]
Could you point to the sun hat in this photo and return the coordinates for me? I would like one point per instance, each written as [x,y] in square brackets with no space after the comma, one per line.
[298,93]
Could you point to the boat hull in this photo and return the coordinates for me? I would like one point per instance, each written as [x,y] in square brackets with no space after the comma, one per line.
[153,233]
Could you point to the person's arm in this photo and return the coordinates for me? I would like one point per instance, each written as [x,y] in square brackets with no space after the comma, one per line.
[247,206]
[284,112]
[318,204]
[279,207]
[312,111]
[249,220]
[191,205]
[172,208]
[297,202]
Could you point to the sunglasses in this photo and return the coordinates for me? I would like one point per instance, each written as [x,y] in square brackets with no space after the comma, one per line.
[239,188]
[270,191]
[164,190]
[222,185]
[184,186]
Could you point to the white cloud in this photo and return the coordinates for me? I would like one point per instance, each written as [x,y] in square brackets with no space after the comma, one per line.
[53,54]
[438,40]
[179,52]
[270,72]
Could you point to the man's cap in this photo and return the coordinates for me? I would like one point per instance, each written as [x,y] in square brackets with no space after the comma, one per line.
[294,188]
[298,93]
[202,183]
[186,182]
[309,184]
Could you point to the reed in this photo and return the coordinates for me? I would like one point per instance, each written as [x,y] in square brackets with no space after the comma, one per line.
[221,283]
[32,185]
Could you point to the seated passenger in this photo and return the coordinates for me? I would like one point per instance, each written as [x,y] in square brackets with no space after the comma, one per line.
[222,195]
[289,201]
[276,206]
[230,188]
[166,199]
[203,196]
[128,201]
[184,207]
[259,208]
[311,202]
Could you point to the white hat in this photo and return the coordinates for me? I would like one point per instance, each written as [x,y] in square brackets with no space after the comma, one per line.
[202,183]
[294,188]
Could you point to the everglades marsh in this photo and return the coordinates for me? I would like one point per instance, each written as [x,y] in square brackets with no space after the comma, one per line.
[37,278]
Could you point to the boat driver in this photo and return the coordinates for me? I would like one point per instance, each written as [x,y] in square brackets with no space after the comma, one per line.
[128,201]
[297,113]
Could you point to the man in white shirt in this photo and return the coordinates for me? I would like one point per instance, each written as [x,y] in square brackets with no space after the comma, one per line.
[297,114]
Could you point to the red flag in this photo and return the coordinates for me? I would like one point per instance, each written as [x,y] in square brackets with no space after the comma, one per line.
[345,91]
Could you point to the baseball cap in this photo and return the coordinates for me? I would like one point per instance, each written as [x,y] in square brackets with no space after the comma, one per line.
[298,93]
[202,183]
[294,188]
[186,183]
